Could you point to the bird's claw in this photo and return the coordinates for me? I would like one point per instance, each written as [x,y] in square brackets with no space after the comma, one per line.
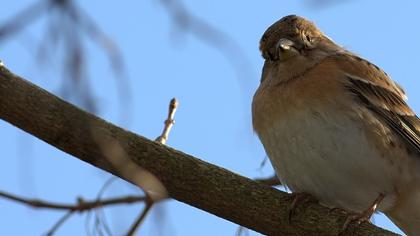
[358,218]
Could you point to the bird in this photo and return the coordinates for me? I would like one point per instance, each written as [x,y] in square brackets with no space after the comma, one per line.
[336,127]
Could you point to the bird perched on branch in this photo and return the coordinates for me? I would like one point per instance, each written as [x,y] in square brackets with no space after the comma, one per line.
[335,126]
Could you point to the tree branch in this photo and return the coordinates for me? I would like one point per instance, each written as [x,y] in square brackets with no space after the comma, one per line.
[185,178]
[80,206]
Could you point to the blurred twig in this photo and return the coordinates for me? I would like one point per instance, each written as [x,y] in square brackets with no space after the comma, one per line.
[271,181]
[68,23]
[80,206]
[318,4]
[22,19]
[140,219]
[100,223]
[212,36]
[60,222]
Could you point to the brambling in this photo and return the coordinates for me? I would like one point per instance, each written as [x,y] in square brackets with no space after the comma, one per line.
[335,126]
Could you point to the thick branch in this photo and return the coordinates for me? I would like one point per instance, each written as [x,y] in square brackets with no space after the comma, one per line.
[186,179]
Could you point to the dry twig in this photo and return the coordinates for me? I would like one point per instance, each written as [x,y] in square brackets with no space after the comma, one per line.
[80,206]
[169,122]
[140,218]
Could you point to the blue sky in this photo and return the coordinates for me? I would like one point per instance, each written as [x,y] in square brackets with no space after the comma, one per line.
[213,121]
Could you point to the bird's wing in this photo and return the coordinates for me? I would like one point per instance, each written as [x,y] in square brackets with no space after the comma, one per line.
[383,97]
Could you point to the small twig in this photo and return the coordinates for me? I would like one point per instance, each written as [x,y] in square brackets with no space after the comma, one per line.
[140,219]
[59,223]
[105,186]
[263,162]
[169,122]
[271,181]
[80,206]
[22,19]
[100,218]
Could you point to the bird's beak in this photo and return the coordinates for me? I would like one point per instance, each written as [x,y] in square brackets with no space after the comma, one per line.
[286,49]
[285,44]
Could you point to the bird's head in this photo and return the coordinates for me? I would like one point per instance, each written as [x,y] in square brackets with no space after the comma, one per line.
[292,37]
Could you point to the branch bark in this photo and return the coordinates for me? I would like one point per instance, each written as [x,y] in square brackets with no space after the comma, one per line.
[185,178]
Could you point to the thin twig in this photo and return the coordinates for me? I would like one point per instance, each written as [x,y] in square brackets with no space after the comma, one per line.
[263,162]
[186,21]
[169,122]
[140,219]
[59,223]
[100,218]
[80,206]
[22,19]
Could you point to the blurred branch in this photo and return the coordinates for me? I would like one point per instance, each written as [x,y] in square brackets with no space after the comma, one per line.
[140,219]
[22,19]
[185,178]
[212,36]
[68,23]
[320,4]
[80,206]
[60,222]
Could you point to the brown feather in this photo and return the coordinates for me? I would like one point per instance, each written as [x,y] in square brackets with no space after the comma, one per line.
[390,107]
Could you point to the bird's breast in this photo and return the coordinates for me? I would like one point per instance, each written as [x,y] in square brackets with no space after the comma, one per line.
[318,144]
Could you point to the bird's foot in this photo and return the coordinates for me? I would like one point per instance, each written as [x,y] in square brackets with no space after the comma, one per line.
[365,216]
[300,199]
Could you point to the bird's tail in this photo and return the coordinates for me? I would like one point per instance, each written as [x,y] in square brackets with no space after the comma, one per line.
[406,213]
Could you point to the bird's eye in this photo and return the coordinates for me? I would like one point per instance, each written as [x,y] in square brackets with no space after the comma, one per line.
[308,38]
